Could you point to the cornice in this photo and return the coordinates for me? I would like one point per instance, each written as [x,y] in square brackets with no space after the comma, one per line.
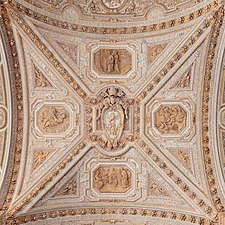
[18,111]
[114,30]
[219,15]
[9,53]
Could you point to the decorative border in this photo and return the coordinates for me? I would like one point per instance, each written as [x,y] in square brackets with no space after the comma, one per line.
[219,16]
[8,52]
[19,103]
[112,211]
[105,30]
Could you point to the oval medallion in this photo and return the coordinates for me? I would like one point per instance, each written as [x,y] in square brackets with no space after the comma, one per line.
[113,4]
[113,124]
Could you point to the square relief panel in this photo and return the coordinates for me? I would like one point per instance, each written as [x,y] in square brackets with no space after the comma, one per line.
[170,119]
[113,180]
[55,119]
[117,61]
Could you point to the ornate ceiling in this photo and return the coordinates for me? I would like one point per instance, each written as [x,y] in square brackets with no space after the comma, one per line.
[112,112]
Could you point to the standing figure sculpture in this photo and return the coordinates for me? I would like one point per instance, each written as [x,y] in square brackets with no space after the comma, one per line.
[112,62]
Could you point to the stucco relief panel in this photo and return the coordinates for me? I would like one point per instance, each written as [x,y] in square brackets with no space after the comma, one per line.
[112,179]
[55,119]
[170,119]
[117,61]
[112,61]
[116,180]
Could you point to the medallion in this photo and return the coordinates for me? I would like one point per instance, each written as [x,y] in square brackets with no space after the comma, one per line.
[111,119]
[113,122]
[113,4]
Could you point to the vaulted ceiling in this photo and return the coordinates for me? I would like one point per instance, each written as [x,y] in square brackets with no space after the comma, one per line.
[112,112]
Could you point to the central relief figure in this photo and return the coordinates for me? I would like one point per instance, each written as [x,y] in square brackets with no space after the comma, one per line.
[112,110]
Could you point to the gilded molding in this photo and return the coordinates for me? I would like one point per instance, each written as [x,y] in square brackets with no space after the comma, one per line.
[111,211]
[219,16]
[5,123]
[105,30]
[18,112]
